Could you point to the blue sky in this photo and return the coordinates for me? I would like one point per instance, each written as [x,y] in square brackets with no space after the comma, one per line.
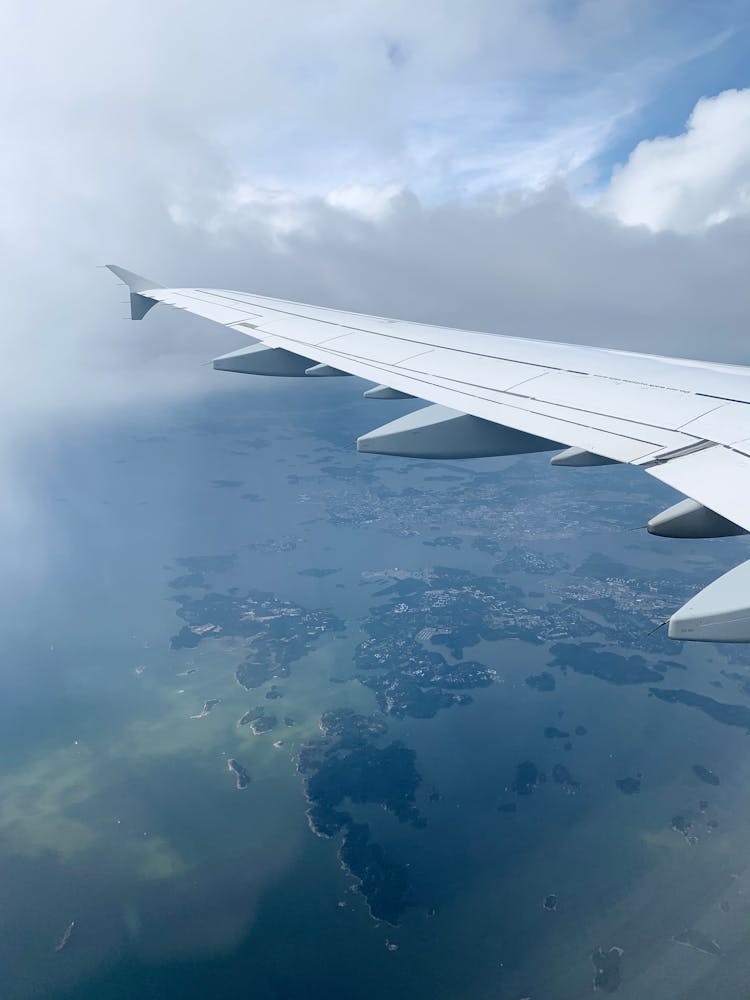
[453,103]
[721,66]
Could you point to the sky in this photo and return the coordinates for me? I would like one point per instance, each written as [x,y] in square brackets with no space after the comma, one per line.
[567,170]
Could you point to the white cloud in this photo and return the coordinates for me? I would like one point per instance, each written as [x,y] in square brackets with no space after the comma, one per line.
[690,181]
[367,201]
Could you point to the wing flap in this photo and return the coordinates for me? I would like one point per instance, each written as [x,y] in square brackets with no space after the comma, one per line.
[717,477]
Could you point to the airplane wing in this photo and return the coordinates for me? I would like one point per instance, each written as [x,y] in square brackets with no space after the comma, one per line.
[684,422]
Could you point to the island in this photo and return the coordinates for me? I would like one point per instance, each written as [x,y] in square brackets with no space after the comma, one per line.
[607,969]
[347,764]
[64,939]
[562,776]
[383,883]
[629,786]
[241,775]
[541,682]
[591,658]
[526,779]
[698,941]
[444,541]
[259,720]
[684,826]
[730,715]
[270,632]
[705,775]
[207,706]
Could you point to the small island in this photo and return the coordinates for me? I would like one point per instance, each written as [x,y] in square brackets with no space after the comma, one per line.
[541,682]
[682,825]
[698,941]
[705,775]
[527,778]
[562,776]
[629,786]
[443,541]
[207,706]
[607,973]
[258,720]
[64,939]
[243,778]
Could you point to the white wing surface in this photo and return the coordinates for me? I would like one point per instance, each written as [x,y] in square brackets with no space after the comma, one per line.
[684,422]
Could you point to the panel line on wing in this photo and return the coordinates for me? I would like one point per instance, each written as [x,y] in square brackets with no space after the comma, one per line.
[463,387]
[399,379]
[511,391]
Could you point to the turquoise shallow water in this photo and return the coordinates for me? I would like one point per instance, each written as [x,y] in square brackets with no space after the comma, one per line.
[116,810]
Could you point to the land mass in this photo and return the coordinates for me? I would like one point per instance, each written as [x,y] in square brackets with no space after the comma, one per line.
[730,715]
[346,763]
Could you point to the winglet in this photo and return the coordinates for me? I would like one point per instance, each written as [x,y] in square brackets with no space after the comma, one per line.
[135,282]
[139,304]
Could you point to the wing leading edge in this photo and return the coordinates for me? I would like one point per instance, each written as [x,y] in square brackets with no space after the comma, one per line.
[684,422]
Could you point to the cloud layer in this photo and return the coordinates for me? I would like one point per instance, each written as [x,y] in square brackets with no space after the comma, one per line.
[404,159]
